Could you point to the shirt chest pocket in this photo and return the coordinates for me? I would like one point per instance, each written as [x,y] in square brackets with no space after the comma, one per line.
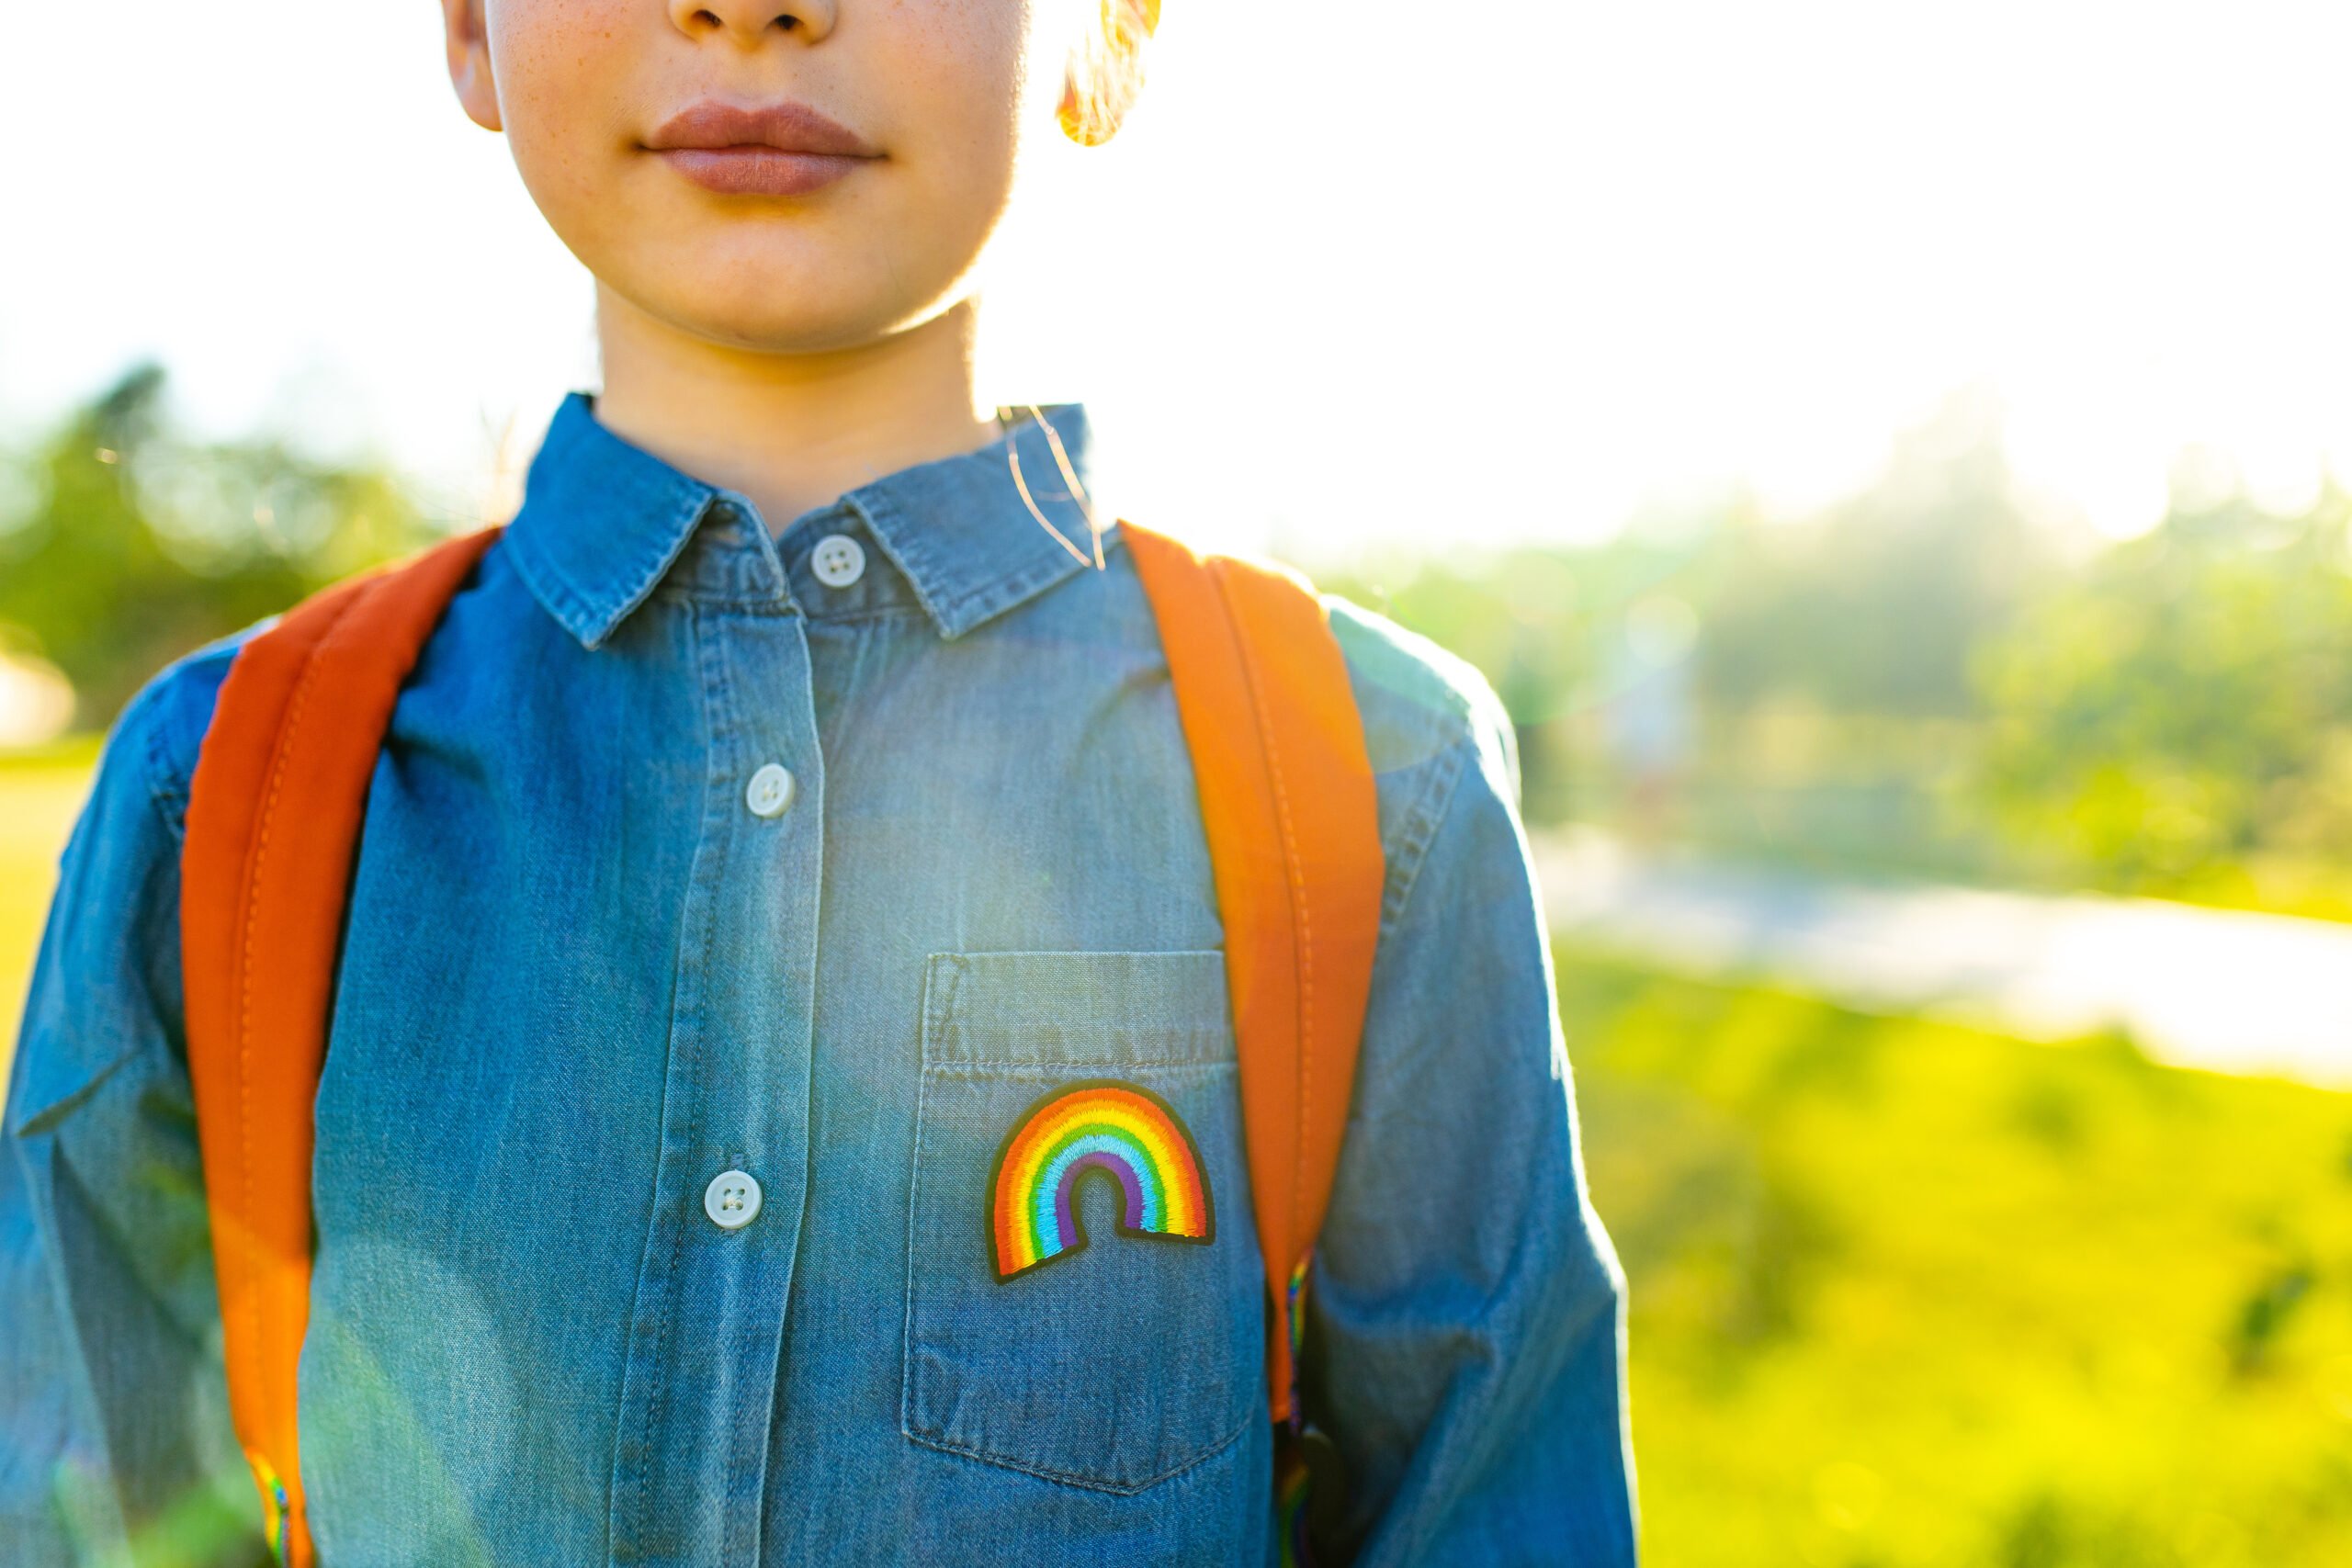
[1082,1275]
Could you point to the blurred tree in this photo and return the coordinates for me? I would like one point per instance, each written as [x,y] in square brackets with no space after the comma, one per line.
[2183,705]
[136,545]
[1877,606]
[1827,659]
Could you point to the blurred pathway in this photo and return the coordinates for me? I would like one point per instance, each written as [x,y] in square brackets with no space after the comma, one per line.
[2214,989]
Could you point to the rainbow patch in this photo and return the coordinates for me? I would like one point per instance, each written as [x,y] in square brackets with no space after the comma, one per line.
[1120,1129]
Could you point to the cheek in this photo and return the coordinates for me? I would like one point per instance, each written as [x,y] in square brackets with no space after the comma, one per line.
[965,81]
[564,70]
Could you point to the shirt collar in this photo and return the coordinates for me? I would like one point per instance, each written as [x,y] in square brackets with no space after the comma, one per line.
[603,521]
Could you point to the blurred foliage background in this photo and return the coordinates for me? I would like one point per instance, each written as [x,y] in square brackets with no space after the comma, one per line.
[1926,680]
[128,544]
[1904,1292]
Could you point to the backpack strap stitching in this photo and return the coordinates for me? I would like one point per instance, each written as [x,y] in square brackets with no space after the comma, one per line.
[282,748]
[1302,917]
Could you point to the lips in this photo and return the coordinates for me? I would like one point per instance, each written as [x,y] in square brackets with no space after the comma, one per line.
[785,149]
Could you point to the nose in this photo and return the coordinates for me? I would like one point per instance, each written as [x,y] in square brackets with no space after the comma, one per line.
[750,21]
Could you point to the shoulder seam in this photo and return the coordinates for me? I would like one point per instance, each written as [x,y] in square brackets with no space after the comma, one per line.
[1419,831]
[166,791]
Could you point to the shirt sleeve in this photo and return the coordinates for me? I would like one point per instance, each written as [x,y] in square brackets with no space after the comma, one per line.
[115,1442]
[1465,1323]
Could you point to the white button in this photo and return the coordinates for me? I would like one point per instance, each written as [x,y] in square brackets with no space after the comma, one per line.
[732,1199]
[770,791]
[838,561]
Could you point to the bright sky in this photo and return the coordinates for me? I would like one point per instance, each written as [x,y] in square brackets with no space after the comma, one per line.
[1425,274]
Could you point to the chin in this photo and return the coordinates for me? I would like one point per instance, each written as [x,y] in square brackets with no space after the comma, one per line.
[782,307]
[767,327]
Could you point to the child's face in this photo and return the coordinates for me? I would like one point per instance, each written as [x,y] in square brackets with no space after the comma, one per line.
[937,98]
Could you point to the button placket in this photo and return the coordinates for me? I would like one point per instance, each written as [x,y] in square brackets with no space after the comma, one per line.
[697,1393]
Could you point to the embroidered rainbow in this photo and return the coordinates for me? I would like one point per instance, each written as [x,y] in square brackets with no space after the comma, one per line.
[1121,1128]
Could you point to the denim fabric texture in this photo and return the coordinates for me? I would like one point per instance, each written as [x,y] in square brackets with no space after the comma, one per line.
[584,976]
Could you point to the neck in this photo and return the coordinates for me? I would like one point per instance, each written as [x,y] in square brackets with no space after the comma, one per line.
[790,431]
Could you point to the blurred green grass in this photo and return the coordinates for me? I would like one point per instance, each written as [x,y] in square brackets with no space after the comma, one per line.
[1905,1296]
[1907,1293]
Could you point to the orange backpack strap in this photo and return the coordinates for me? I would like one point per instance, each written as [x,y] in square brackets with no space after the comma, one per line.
[1287,802]
[273,825]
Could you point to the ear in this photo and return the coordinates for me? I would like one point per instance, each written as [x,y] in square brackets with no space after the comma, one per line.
[467,39]
[1104,77]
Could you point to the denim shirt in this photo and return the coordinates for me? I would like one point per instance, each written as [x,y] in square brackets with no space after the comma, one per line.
[656,1130]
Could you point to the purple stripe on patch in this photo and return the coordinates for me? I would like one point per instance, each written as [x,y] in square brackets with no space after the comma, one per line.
[1065,1211]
